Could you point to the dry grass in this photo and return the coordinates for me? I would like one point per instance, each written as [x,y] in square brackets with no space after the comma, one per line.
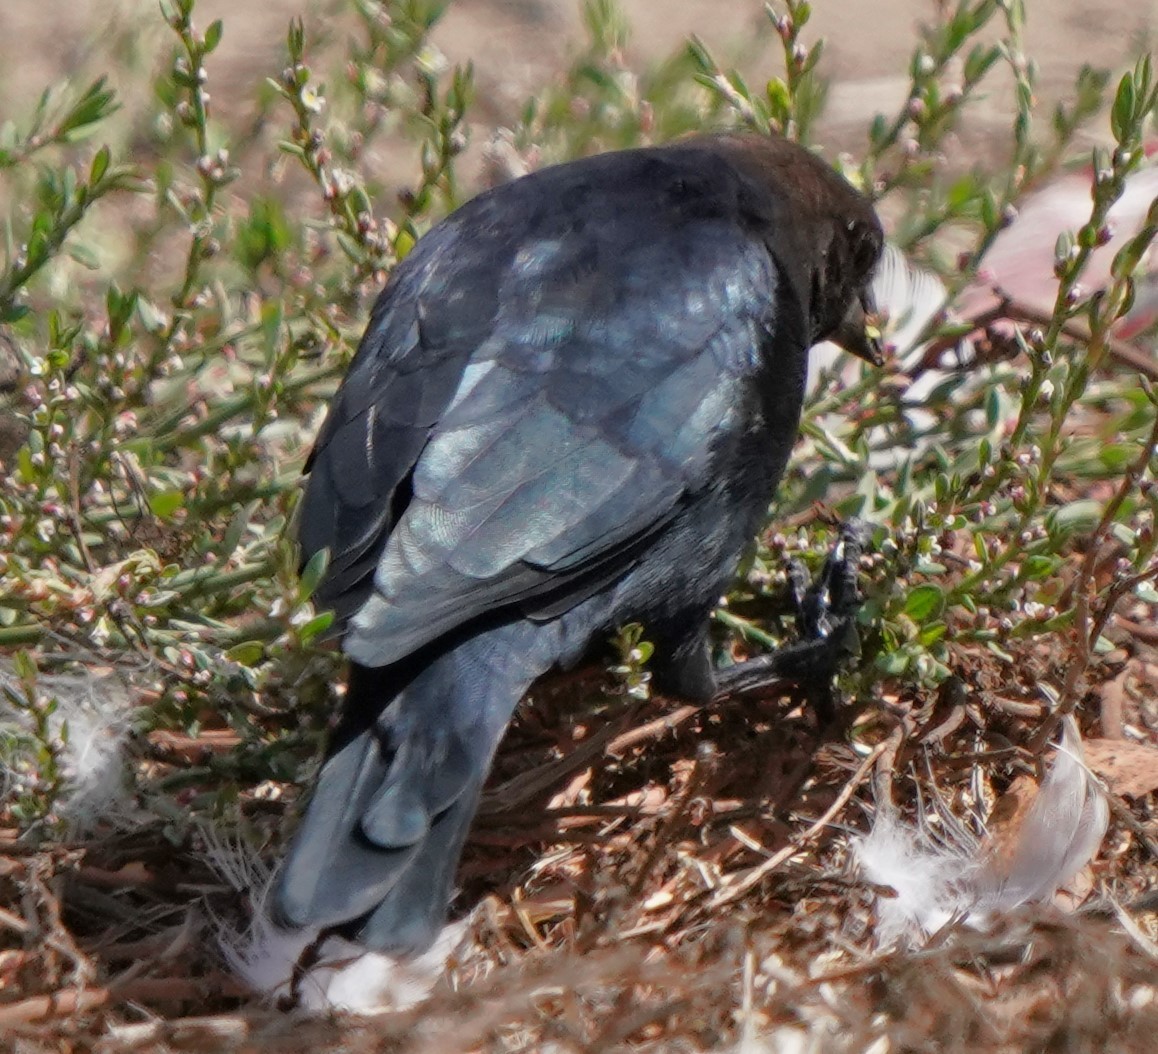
[685,885]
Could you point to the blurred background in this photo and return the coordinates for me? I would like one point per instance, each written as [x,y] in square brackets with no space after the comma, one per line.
[517,46]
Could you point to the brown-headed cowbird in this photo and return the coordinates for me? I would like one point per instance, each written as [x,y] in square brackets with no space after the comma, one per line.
[569,412]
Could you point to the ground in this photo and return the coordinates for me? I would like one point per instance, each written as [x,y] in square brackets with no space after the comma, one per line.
[645,874]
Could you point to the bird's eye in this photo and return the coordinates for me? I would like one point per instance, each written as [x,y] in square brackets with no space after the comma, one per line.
[866,246]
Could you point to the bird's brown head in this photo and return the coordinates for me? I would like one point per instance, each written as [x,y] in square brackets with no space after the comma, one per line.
[822,231]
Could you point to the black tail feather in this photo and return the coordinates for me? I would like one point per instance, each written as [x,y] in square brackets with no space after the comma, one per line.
[377,850]
[332,872]
[411,914]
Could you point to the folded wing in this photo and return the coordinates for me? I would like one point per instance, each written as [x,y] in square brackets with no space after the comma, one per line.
[531,404]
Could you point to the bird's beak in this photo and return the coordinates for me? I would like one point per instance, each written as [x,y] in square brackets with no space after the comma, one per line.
[858,333]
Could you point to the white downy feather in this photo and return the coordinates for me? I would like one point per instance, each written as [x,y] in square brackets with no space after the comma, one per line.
[95,707]
[345,976]
[937,878]
[907,297]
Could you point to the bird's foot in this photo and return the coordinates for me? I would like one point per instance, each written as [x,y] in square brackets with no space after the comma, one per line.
[826,611]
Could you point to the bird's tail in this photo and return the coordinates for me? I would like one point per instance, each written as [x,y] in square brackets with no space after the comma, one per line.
[378,846]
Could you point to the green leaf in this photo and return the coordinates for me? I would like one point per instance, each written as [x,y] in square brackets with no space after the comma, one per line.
[84,255]
[1122,112]
[924,602]
[979,62]
[990,216]
[1037,567]
[232,537]
[312,573]
[25,667]
[779,100]
[100,165]
[248,653]
[94,106]
[403,243]
[166,502]
[296,38]
[316,626]
[994,648]
[932,633]
[152,318]
[213,36]
[1124,534]
[698,53]
[893,663]
[1116,456]
[1079,515]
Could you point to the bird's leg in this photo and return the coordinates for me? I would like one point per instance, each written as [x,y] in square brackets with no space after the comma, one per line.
[826,617]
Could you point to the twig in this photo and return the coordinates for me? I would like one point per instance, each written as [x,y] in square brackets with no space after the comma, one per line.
[69,1001]
[64,1003]
[1120,589]
[1113,693]
[1085,636]
[202,1033]
[652,729]
[522,788]
[26,929]
[195,748]
[738,888]
[1010,310]
[1145,633]
[1132,930]
[703,766]
[887,761]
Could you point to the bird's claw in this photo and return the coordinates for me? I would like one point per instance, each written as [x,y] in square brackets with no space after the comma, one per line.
[830,599]
[826,610]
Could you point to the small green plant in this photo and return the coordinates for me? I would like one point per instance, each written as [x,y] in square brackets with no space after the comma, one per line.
[633,653]
[32,748]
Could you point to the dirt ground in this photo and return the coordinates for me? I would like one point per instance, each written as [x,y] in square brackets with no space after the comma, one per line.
[517,45]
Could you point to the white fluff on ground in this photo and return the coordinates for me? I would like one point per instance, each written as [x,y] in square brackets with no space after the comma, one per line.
[344,976]
[92,718]
[941,876]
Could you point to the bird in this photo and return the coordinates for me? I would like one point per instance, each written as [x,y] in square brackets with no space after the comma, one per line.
[569,412]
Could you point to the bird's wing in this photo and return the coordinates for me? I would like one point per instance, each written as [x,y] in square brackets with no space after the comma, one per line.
[403,376]
[606,361]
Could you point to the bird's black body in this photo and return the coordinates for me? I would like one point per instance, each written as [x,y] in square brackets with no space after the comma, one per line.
[569,411]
